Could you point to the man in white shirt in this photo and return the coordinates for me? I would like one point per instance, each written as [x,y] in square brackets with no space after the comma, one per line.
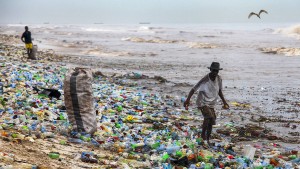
[210,87]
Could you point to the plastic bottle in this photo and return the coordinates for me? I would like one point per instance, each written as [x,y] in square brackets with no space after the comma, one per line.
[63,142]
[48,135]
[167,166]
[208,166]
[155,145]
[296,161]
[88,157]
[119,108]
[95,143]
[75,140]
[172,149]
[288,165]
[53,155]
[292,157]
[165,156]
[192,166]
[1,88]
[85,138]
[161,148]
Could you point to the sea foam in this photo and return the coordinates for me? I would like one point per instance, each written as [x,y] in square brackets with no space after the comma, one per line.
[292,31]
[282,50]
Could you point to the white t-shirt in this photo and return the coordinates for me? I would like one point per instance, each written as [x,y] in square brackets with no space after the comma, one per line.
[208,91]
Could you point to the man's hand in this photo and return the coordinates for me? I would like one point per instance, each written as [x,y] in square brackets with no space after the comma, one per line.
[225,106]
[186,104]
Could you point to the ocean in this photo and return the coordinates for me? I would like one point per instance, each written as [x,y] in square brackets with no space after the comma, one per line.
[179,51]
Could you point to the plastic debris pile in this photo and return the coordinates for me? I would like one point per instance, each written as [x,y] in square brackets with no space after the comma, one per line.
[17,53]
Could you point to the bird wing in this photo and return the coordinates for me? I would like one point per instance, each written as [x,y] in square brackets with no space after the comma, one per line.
[261,11]
[252,13]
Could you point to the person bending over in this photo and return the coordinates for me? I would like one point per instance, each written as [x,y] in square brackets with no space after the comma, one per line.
[210,87]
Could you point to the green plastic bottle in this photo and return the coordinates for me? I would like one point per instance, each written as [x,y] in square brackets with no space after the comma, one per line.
[208,166]
[14,135]
[86,139]
[61,116]
[63,142]
[200,158]
[25,128]
[199,140]
[165,157]
[178,153]
[133,146]
[117,125]
[53,155]
[292,157]
[155,145]
[120,108]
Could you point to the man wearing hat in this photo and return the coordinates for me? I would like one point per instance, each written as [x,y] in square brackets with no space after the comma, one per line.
[209,87]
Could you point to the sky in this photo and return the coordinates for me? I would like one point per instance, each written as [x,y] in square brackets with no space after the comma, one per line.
[153,11]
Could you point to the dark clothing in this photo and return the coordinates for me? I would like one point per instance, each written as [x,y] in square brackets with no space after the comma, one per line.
[27,36]
[209,120]
[208,113]
[207,129]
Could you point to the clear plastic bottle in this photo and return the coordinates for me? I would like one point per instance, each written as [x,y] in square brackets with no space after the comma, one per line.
[171,149]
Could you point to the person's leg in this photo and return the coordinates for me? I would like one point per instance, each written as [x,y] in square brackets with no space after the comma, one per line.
[204,129]
[204,111]
[30,48]
[27,49]
[211,122]
[209,129]
[28,52]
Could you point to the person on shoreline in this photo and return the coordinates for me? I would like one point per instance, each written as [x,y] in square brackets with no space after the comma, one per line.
[210,86]
[26,38]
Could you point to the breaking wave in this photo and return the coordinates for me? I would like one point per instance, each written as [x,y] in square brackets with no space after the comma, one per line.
[201,45]
[145,28]
[96,30]
[198,45]
[93,29]
[142,40]
[293,31]
[282,50]
[99,52]
[148,29]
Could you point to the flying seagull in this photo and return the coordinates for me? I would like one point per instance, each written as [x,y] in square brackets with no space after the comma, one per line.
[258,15]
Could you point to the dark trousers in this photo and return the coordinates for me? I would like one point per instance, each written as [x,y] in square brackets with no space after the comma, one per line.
[209,120]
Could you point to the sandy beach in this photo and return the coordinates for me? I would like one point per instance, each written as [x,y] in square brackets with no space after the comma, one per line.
[260,76]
